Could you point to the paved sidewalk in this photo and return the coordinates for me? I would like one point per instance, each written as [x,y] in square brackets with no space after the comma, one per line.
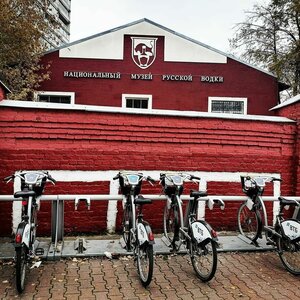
[240,275]
[95,246]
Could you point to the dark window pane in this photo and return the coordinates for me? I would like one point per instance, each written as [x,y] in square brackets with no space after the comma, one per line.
[128,102]
[232,107]
[55,99]
[137,103]
[145,104]
[43,98]
[65,99]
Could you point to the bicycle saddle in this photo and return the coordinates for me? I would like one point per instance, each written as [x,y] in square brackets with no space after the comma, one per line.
[285,201]
[141,200]
[197,194]
[24,194]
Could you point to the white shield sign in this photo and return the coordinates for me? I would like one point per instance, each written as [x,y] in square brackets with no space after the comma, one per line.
[143,51]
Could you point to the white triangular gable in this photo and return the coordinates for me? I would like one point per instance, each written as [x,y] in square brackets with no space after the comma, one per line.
[109,45]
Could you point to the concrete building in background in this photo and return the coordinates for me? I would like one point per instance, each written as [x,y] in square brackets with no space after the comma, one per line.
[62,10]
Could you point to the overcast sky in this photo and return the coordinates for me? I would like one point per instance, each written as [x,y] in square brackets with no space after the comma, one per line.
[208,21]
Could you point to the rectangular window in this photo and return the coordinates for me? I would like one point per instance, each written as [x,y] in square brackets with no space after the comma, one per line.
[227,105]
[55,97]
[137,101]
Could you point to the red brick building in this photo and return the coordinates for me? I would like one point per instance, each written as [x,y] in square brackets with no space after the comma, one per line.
[142,97]
[146,65]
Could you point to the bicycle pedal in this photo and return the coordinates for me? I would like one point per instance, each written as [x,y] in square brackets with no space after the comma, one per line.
[39,251]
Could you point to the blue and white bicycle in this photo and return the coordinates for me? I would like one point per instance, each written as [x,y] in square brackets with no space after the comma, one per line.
[198,236]
[284,235]
[32,187]
[137,233]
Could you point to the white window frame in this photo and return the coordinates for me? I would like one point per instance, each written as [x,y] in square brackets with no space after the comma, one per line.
[52,93]
[238,99]
[137,96]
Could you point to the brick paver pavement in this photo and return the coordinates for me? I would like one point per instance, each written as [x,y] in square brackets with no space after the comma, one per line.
[239,276]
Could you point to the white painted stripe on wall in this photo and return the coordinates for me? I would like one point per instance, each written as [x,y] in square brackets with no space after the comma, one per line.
[112,208]
[93,176]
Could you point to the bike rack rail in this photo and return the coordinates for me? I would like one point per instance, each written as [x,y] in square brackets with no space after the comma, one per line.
[57,211]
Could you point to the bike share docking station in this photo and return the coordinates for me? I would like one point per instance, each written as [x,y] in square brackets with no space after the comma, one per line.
[60,247]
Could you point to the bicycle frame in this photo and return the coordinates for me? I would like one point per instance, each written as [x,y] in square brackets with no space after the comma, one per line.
[259,200]
[137,233]
[197,236]
[179,202]
[130,184]
[25,232]
[133,209]
[143,231]
[32,186]
[250,222]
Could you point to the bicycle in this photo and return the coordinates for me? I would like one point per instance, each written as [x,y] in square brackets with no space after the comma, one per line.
[137,233]
[198,236]
[250,222]
[32,187]
[284,235]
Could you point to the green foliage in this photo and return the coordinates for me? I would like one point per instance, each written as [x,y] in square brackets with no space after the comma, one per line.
[270,37]
[23,24]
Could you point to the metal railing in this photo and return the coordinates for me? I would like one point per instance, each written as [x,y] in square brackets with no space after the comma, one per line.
[57,209]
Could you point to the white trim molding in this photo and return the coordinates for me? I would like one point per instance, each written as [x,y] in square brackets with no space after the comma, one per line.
[155,112]
[237,99]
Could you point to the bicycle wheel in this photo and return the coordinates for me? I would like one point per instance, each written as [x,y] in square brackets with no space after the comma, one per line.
[127,225]
[249,222]
[145,263]
[289,253]
[171,223]
[204,259]
[21,265]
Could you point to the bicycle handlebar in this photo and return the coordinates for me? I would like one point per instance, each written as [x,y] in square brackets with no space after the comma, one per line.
[183,175]
[116,177]
[51,179]
[276,179]
[150,179]
[257,181]
[269,179]
[21,175]
[8,178]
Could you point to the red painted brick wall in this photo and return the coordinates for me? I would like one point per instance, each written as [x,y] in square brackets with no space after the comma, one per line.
[78,140]
[292,111]
[2,93]
[240,80]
